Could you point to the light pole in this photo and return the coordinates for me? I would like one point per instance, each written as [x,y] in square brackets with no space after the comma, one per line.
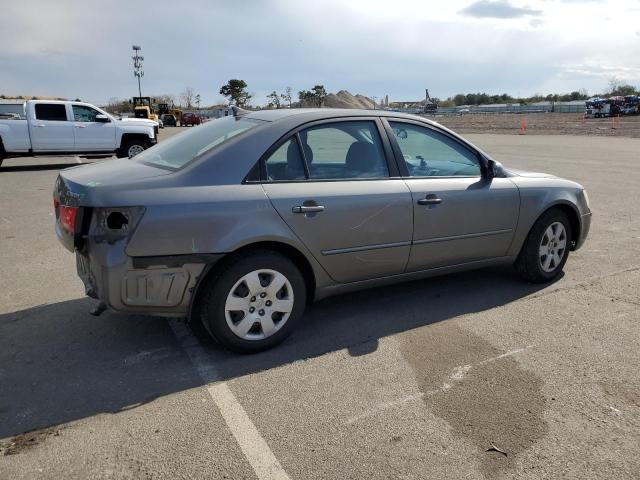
[137,65]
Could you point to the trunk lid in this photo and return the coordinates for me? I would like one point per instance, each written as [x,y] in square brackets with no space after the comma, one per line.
[109,173]
[77,192]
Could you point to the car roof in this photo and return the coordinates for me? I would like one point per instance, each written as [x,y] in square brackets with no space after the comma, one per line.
[310,114]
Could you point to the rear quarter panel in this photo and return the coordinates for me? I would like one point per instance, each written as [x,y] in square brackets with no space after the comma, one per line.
[218,219]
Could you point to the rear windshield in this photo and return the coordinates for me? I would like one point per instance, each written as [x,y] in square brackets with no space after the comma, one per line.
[177,151]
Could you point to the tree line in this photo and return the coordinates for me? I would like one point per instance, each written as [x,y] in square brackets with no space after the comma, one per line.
[188,100]
[486,99]
[616,88]
[235,90]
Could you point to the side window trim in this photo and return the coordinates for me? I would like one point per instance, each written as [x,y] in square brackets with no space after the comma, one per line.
[392,161]
[305,164]
[400,158]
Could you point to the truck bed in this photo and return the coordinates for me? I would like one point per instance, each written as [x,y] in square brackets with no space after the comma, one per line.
[15,135]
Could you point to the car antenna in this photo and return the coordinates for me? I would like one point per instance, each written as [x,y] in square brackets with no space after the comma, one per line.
[238,112]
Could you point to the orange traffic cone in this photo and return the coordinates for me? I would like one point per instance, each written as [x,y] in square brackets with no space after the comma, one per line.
[523,126]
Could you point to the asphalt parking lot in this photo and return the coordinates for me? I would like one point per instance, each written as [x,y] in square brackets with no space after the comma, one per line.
[474,375]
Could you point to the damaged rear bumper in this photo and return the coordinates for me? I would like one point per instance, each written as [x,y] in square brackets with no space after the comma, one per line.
[148,285]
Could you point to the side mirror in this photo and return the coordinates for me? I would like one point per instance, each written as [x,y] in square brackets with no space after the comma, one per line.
[490,170]
[100,118]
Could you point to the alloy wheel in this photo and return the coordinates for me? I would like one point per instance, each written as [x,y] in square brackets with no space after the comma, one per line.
[553,246]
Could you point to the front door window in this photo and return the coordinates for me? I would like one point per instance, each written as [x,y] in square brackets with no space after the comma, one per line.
[428,153]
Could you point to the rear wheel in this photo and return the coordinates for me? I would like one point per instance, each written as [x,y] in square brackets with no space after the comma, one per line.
[254,303]
[546,248]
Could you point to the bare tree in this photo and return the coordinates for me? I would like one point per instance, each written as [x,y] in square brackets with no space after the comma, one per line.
[618,87]
[165,98]
[188,97]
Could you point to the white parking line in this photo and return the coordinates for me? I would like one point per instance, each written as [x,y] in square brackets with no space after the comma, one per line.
[254,447]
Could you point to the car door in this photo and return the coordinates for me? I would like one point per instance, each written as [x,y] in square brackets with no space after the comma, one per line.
[460,216]
[50,128]
[337,187]
[90,135]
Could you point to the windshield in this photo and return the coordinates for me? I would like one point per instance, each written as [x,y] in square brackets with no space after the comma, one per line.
[177,151]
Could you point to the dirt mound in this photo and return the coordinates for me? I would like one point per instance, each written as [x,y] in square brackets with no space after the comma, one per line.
[344,99]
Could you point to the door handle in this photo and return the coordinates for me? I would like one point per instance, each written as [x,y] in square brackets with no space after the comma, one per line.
[430,199]
[308,208]
[80,126]
[39,125]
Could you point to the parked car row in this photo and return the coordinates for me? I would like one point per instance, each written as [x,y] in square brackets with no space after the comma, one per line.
[613,106]
[187,120]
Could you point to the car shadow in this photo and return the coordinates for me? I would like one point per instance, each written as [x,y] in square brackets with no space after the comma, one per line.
[357,321]
[59,364]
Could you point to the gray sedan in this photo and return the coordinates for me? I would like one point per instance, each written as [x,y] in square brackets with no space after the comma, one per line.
[242,221]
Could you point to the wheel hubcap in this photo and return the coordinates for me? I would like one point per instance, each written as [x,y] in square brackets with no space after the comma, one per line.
[135,150]
[259,304]
[553,246]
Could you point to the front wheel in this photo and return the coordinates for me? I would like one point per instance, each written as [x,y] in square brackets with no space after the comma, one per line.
[132,148]
[546,248]
[254,303]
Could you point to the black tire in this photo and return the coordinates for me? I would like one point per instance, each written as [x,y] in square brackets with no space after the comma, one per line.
[215,290]
[124,150]
[529,261]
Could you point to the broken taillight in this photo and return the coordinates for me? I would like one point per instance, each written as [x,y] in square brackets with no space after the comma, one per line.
[67,217]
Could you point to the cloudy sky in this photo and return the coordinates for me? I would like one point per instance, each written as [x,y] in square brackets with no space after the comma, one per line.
[82,48]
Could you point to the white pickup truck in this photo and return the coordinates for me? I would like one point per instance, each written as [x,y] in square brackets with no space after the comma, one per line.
[59,128]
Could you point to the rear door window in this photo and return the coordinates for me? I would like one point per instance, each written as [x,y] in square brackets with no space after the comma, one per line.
[286,163]
[344,150]
[51,111]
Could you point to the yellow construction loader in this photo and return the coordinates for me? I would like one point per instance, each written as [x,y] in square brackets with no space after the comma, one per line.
[143,108]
